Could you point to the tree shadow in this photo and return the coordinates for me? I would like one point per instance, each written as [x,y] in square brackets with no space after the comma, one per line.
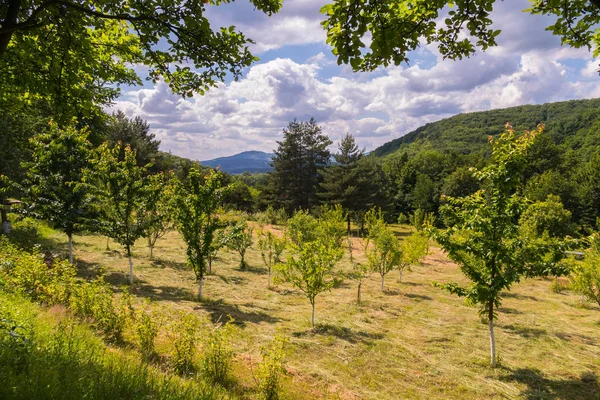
[524,331]
[407,283]
[417,296]
[220,311]
[253,270]
[518,296]
[171,293]
[540,387]
[236,280]
[163,263]
[341,332]
[574,337]
[508,310]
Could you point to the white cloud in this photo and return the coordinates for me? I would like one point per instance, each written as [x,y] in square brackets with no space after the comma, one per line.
[528,66]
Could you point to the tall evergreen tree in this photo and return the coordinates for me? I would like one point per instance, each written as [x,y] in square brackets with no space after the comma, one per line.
[135,133]
[352,181]
[297,162]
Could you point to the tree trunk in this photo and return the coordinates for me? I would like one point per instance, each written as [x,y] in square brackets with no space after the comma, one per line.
[358,297]
[5,222]
[382,278]
[209,258]
[242,263]
[151,249]
[401,271]
[200,286]
[70,236]
[348,219]
[130,266]
[107,247]
[492,338]
[313,314]
[10,20]
[269,281]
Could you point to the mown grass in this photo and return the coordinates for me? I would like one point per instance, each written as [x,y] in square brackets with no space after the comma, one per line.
[411,341]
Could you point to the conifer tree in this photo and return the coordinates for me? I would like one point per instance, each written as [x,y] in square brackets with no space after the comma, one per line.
[298,159]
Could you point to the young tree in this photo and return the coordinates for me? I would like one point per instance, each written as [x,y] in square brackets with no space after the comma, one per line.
[385,254]
[360,270]
[413,249]
[586,275]
[119,189]
[395,28]
[296,164]
[483,234]
[158,212]
[239,238]
[53,184]
[196,219]
[310,265]
[271,247]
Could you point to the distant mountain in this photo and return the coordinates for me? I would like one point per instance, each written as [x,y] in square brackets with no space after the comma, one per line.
[251,161]
[573,124]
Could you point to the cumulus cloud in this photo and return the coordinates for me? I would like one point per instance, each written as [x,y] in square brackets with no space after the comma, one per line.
[529,66]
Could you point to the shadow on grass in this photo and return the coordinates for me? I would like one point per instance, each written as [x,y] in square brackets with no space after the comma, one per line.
[163,263]
[418,296]
[341,332]
[508,310]
[524,331]
[518,296]
[170,293]
[252,269]
[236,280]
[220,311]
[540,387]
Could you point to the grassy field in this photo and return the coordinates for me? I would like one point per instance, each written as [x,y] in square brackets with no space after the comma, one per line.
[411,341]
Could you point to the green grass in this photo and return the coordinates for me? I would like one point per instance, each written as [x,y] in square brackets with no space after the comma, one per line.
[412,341]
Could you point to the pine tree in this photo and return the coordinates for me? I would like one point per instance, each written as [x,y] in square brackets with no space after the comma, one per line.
[352,181]
[298,159]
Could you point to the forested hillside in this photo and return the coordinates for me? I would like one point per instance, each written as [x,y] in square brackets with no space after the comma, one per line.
[575,123]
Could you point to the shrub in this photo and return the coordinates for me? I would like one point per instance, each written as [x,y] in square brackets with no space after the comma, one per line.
[184,336]
[271,369]
[218,354]
[272,216]
[48,282]
[586,278]
[95,300]
[146,330]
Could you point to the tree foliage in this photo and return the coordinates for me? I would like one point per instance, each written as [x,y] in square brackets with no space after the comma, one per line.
[271,248]
[483,236]
[196,218]
[119,189]
[239,238]
[310,266]
[54,183]
[299,157]
[72,53]
[394,28]
[158,211]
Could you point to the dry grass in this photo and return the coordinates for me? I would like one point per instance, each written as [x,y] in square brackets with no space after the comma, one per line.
[413,341]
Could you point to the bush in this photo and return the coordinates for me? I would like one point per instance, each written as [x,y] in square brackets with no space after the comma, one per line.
[586,278]
[95,300]
[218,354]
[271,369]
[421,219]
[184,337]
[146,330]
[46,281]
[272,216]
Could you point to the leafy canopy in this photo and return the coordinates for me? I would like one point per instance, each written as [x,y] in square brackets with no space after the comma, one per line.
[73,52]
[397,27]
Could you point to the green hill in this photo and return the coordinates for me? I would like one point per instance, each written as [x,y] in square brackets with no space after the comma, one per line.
[575,124]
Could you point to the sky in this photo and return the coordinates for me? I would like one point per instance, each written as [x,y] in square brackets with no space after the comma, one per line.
[298,77]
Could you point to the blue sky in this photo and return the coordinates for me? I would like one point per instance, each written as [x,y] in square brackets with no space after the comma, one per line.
[298,77]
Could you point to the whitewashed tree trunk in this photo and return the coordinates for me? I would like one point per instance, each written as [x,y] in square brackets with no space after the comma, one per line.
[492,338]
[401,272]
[200,286]
[130,269]
[70,236]
[382,281]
